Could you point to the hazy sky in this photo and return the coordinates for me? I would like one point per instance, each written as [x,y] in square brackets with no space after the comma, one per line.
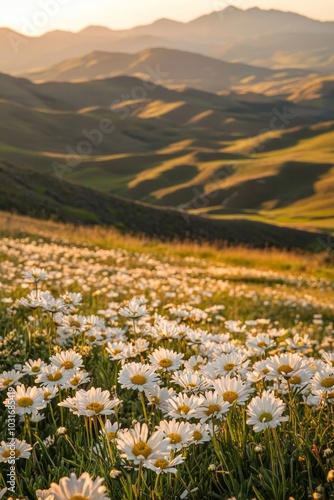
[35,17]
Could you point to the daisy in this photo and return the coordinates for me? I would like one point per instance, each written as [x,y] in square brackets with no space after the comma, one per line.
[159,396]
[163,465]
[230,364]
[116,350]
[261,343]
[323,380]
[136,446]
[72,299]
[78,377]
[233,390]
[213,406]
[14,449]
[138,376]
[190,381]
[134,310]
[165,359]
[201,433]
[328,358]
[10,378]
[284,365]
[300,380]
[183,406]
[179,433]
[27,400]
[110,430]
[44,495]
[69,360]
[265,411]
[35,275]
[164,329]
[33,367]
[53,376]
[49,392]
[195,363]
[82,488]
[91,403]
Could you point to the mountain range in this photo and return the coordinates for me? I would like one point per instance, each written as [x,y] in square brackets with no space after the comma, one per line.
[268,38]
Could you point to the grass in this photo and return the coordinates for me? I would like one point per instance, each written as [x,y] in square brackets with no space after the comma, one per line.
[309,264]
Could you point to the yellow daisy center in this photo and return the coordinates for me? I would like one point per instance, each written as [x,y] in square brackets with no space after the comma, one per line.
[25,402]
[67,365]
[97,407]
[197,435]
[35,369]
[212,409]
[295,380]
[165,363]
[78,496]
[47,394]
[230,396]
[265,371]
[53,377]
[197,366]
[229,367]
[285,369]
[262,344]
[161,463]
[265,417]
[75,380]
[138,379]
[75,323]
[6,453]
[7,381]
[141,448]
[174,438]
[111,435]
[184,409]
[116,351]
[327,382]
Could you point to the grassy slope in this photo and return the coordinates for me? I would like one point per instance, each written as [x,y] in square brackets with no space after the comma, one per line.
[303,263]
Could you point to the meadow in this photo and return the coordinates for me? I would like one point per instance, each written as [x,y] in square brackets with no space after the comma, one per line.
[133,369]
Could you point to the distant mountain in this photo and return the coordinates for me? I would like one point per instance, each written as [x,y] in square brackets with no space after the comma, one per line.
[178,69]
[232,34]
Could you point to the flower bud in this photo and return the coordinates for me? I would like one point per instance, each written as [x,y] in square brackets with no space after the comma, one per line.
[330,476]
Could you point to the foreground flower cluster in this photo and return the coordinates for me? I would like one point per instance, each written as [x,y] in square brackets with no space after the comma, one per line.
[142,381]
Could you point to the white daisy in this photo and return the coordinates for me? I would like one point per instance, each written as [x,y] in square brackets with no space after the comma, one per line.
[179,433]
[164,465]
[14,449]
[53,376]
[265,411]
[213,406]
[233,390]
[69,360]
[10,378]
[82,488]
[138,376]
[165,359]
[91,403]
[27,400]
[183,406]
[136,446]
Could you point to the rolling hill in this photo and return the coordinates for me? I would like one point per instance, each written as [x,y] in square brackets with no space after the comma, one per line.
[186,148]
[177,68]
[39,195]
